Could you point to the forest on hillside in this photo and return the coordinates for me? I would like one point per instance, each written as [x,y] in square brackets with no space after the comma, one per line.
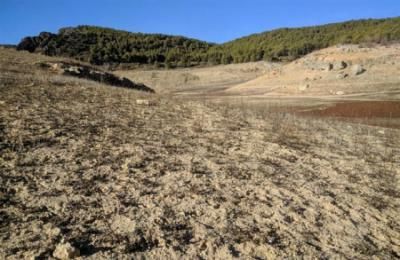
[100,46]
[290,44]
[103,45]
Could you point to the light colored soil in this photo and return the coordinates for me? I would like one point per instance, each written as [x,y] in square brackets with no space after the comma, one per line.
[312,82]
[307,77]
[83,166]
[310,76]
[199,80]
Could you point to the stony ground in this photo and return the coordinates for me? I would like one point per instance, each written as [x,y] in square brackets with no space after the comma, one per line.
[349,71]
[83,167]
[199,80]
[346,71]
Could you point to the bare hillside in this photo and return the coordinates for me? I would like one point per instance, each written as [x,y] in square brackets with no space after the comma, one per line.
[198,80]
[349,70]
[88,171]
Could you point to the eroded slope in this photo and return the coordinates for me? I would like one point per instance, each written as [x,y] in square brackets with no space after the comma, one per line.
[85,164]
[337,71]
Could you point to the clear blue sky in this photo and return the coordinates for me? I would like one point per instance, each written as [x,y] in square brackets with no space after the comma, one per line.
[210,20]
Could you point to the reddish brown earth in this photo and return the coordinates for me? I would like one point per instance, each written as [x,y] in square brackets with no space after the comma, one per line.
[379,113]
[361,109]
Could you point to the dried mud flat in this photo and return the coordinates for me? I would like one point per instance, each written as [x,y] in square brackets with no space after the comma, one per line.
[376,113]
[84,164]
[361,109]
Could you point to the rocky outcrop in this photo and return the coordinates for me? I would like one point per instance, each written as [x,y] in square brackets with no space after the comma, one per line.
[342,75]
[304,87]
[328,67]
[146,102]
[340,65]
[91,73]
[318,65]
[357,70]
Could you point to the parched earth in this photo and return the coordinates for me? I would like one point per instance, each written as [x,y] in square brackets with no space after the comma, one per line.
[83,164]
[339,71]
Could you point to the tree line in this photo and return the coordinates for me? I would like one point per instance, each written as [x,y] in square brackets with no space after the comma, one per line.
[100,46]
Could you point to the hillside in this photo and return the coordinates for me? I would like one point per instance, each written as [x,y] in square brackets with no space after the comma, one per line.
[346,81]
[88,171]
[289,44]
[200,79]
[345,70]
[101,45]
[339,72]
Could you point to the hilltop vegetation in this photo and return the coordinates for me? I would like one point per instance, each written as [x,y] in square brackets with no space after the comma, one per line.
[289,44]
[101,45]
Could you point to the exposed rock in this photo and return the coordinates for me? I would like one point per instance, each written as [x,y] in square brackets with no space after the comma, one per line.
[329,67]
[65,251]
[357,70]
[145,102]
[339,65]
[342,75]
[304,87]
[91,73]
[318,65]
[339,93]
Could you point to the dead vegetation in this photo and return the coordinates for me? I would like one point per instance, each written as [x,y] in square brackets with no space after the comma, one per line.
[86,169]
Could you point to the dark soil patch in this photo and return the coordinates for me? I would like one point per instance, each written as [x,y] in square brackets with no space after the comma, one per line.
[376,113]
[361,109]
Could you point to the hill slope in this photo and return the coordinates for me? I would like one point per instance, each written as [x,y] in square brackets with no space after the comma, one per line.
[84,165]
[101,45]
[340,70]
[296,42]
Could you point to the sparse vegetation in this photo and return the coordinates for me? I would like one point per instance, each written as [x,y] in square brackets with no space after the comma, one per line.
[84,167]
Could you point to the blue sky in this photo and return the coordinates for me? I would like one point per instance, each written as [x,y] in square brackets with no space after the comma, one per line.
[210,20]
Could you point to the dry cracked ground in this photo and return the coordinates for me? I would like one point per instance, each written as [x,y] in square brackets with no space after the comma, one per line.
[84,165]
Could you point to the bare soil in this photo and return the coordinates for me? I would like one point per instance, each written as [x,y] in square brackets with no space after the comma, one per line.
[376,113]
[84,166]
[360,109]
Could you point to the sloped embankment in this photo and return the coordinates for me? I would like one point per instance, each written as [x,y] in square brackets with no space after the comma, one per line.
[91,73]
[86,171]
